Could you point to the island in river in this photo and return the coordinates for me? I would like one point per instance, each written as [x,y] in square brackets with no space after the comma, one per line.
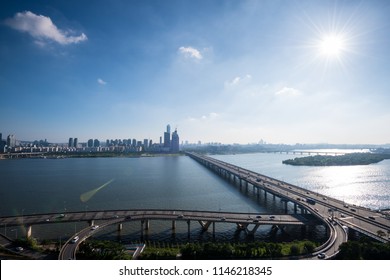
[341,160]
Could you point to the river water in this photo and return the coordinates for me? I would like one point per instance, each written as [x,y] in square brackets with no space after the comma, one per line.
[30,186]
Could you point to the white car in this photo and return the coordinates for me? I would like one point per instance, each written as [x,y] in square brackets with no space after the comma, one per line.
[75,239]
[94,227]
[321,256]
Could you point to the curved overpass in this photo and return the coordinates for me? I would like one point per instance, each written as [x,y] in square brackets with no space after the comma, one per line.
[244,221]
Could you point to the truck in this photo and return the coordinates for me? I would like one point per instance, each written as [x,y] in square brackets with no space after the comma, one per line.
[310,201]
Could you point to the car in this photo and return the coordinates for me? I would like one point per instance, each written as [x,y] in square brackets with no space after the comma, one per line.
[255,220]
[342,215]
[346,205]
[271,217]
[223,218]
[353,209]
[316,209]
[75,239]
[307,192]
[180,216]
[19,249]
[258,180]
[94,227]
[371,217]
[61,216]
[324,198]
[321,256]
[47,220]
[258,216]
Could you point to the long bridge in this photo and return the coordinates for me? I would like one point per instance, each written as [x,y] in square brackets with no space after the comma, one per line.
[360,219]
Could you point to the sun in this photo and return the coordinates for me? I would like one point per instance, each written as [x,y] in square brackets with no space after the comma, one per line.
[332,45]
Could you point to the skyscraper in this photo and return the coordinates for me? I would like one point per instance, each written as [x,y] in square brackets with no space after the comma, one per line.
[167,137]
[11,141]
[70,143]
[75,142]
[175,142]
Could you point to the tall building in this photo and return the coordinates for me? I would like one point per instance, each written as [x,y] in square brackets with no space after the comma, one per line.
[90,143]
[11,141]
[146,141]
[70,143]
[96,143]
[75,142]
[175,142]
[167,137]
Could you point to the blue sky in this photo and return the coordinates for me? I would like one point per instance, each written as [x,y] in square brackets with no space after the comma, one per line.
[219,71]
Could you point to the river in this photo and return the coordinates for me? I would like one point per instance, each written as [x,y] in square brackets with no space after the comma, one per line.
[30,186]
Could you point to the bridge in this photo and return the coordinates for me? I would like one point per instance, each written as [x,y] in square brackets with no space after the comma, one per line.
[360,219]
[97,220]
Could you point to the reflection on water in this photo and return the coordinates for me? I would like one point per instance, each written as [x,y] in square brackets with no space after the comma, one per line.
[366,185]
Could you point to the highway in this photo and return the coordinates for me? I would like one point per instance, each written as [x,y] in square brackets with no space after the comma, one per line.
[205,219]
[335,213]
[359,218]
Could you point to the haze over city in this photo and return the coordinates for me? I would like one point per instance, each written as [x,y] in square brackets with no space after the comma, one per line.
[218,71]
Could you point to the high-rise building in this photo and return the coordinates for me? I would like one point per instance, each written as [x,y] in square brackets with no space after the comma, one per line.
[90,143]
[146,143]
[175,142]
[167,137]
[96,143]
[70,143]
[11,141]
[75,142]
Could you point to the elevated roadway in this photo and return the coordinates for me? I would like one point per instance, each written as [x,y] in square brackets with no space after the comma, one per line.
[361,219]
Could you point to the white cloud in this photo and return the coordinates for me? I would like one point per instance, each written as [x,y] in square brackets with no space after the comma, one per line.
[286,91]
[190,52]
[42,28]
[101,82]
[237,81]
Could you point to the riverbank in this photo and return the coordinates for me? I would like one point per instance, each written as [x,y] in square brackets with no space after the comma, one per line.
[341,160]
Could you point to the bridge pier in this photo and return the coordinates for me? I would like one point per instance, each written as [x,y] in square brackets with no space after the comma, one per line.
[147,224]
[284,201]
[173,225]
[91,223]
[189,228]
[120,227]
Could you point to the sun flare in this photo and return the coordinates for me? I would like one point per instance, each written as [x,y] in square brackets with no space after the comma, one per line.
[332,45]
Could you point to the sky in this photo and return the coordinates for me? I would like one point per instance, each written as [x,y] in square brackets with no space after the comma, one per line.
[217,71]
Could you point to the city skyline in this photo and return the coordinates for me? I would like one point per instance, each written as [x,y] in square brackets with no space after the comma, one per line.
[218,71]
